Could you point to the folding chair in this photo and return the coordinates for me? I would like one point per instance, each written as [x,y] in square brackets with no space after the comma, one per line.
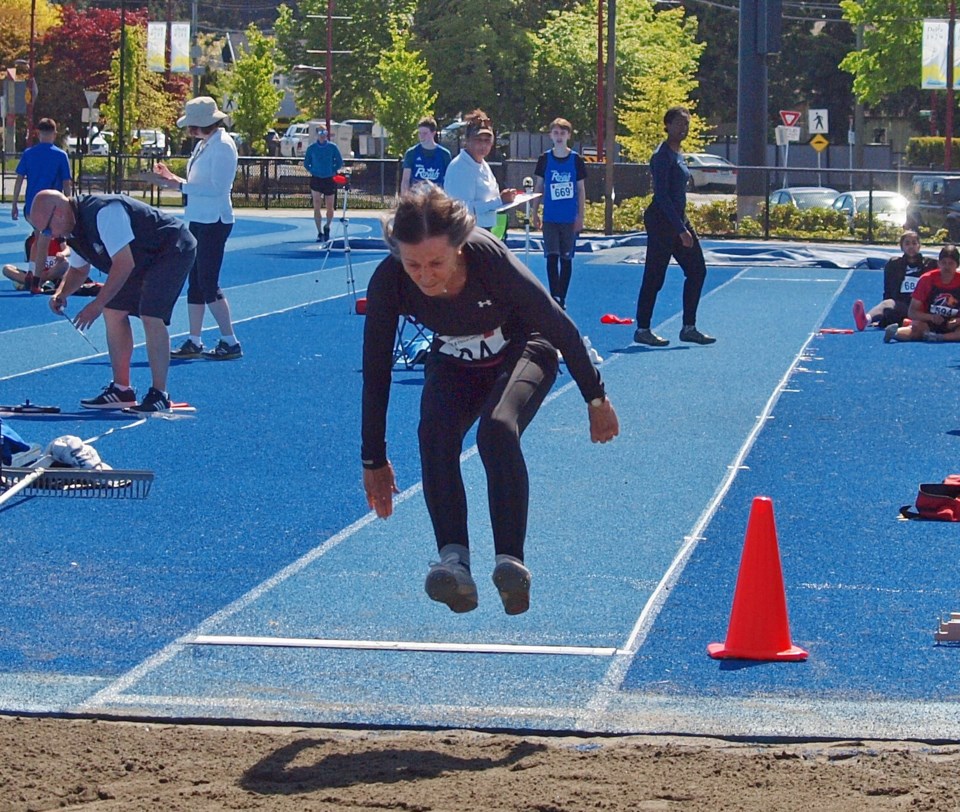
[413,343]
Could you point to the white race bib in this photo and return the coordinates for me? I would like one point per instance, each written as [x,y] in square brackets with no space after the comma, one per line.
[909,284]
[480,347]
[561,191]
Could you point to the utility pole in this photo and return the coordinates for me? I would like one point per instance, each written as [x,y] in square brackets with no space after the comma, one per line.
[948,124]
[31,81]
[328,69]
[600,109]
[611,115]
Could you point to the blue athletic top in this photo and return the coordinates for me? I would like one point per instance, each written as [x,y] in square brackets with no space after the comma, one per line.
[322,160]
[670,177]
[427,164]
[45,166]
[560,179]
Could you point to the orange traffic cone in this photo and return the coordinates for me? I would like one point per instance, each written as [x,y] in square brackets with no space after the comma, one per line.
[759,629]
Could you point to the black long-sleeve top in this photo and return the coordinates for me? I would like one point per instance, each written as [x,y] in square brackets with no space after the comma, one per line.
[502,302]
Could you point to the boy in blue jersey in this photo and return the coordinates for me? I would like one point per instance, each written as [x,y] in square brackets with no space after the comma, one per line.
[427,160]
[322,160]
[43,166]
[560,177]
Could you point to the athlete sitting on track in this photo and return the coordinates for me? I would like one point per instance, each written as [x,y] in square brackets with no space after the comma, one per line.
[934,305]
[494,357]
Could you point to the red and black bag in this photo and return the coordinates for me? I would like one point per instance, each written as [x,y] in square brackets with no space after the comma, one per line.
[937,501]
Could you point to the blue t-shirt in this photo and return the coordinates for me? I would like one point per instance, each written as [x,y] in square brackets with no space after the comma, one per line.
[427,164]
[45,166]
[322,160]
[561,177]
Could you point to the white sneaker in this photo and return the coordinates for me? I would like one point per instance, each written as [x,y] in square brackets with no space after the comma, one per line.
[449,581]
[512,581]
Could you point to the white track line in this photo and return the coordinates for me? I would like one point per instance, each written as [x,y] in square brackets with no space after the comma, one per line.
[398,645]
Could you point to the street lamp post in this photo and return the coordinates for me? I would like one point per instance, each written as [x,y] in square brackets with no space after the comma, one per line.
[31,84]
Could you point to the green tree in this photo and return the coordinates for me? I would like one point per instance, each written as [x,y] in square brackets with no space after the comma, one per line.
[483,52]
[886,70]
[404,95]
[15,27]
[250,87]
[363,34]
[145,103]
[657,59]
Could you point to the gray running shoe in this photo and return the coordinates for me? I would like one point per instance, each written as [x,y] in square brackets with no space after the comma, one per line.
[645,335]
[512,581]
[187,350]
[694,336]
[224,352]
[449,581]
[933,338]
[890,334]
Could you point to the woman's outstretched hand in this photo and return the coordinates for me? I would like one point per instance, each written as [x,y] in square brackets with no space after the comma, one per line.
[380,485]
[604,424]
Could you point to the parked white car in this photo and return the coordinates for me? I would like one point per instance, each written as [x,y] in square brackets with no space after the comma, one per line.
[294,142]
[889,208]
[97,145]
[710,170]
[151,143]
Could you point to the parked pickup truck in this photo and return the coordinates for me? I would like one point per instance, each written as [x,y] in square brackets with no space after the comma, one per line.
[936,204]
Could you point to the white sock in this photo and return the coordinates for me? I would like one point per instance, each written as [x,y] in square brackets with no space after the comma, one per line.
[121,387]
[231,340]
[196,340]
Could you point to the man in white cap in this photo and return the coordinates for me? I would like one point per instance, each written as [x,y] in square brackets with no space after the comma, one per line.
[322,160]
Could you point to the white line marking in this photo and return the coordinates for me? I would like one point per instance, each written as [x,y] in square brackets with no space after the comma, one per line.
[399,645]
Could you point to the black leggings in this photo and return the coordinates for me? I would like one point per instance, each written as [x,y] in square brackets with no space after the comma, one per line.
[204,279]
[505,398]
[661,245]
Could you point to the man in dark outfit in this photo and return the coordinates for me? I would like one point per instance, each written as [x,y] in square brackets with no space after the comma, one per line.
[146,255]
[669,233]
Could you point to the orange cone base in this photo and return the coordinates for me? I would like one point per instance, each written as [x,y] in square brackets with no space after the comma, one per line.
[719,651]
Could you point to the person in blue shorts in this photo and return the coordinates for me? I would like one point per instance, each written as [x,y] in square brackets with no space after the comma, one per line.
[322,160]
[427,160]
[561,178]
[146,255]
[42,166]
[669,233]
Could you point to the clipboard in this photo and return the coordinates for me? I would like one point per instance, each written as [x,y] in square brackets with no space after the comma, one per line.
[521,199]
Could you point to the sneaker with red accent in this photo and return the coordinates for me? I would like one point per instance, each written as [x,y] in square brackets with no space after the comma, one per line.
[111,397]
[860,315]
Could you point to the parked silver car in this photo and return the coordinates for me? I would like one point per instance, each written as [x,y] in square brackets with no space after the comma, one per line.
[889,208]
[804,197]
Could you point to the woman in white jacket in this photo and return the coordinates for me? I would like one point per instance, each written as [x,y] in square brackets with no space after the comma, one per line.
[208,211]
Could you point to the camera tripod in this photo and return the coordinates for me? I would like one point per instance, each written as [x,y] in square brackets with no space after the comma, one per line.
[342,180]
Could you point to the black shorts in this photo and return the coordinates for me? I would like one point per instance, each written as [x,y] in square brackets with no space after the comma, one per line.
[153,290]
[325,186]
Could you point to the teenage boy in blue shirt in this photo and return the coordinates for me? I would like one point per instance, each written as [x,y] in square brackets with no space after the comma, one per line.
[560,177]
[43,166]
[427,160]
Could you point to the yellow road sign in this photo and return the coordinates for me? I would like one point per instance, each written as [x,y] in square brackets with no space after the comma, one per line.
[819,143]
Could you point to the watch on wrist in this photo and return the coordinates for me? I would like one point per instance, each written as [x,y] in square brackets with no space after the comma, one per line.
[598,402]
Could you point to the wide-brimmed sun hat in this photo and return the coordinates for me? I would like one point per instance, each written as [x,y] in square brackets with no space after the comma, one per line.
[200,112]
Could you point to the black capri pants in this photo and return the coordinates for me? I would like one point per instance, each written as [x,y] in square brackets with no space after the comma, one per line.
[204,281]
[505,398]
